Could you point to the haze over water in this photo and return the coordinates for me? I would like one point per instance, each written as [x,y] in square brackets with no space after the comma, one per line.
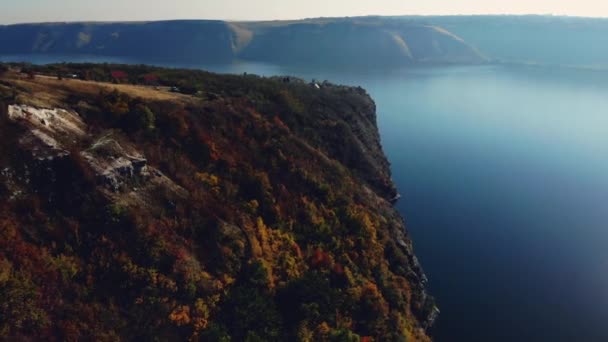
[504,174]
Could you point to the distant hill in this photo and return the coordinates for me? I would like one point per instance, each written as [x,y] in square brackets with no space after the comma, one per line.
[362,42]
[326,42]
[547,40]
[354,42]
[209,41]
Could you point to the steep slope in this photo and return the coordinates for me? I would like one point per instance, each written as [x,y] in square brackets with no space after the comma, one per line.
[356,43]
[548,40]
[257,210]
[329,42]
[185,41]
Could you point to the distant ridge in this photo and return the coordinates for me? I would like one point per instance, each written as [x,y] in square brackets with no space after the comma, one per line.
[176,40]
[531,39]
[356,42]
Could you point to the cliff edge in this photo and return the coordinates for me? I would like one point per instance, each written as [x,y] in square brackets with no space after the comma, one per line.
[248,209]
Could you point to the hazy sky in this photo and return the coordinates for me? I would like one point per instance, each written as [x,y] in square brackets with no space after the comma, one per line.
[13,11]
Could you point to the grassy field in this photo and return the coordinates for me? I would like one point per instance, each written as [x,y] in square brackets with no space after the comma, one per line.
[41,84]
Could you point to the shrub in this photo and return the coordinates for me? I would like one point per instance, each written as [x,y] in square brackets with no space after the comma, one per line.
[141,118]
[19,306]
[343,335]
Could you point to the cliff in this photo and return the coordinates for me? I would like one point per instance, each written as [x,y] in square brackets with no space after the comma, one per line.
[329,42]
[255,209]
[185,41]
[537,39]
[355,42]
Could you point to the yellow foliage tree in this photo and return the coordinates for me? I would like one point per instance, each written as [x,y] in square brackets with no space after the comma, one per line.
[181,315]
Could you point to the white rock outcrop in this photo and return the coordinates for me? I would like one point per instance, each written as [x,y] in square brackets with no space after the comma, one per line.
[51,120]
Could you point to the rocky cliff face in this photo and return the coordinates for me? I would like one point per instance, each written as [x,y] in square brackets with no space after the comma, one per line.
[173,217]
[52,140]
[341,121]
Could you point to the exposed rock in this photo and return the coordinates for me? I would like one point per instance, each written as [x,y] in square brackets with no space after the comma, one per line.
[8,184]
[42,146]
[114,164]
[48,132]
[432,317]
[113,173]
[56,120]
[345,127]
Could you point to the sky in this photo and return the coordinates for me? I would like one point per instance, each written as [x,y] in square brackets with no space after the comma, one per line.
[19,11]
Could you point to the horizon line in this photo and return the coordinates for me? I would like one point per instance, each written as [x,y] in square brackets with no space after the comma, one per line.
[101,21]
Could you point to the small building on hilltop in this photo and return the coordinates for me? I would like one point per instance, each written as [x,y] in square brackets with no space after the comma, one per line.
[151,79]
[119,76]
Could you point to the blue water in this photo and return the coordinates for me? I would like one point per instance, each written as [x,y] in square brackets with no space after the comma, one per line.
[504,174]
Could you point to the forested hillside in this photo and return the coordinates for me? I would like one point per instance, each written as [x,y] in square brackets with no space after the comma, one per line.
[232,208]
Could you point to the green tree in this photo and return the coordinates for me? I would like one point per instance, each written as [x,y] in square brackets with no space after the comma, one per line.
[146,119]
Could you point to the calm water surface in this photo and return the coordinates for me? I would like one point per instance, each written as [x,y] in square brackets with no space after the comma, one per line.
[504,174]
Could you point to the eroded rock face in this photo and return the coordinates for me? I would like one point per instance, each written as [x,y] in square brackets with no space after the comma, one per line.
[345,127]
[51,135]
[54,121]
[42,146]
[116,165]
[46,130]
